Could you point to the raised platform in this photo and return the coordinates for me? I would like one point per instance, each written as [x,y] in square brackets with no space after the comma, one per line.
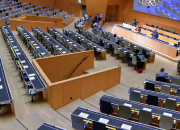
[172,58]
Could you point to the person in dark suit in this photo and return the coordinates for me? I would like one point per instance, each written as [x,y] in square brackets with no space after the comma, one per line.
[155,34]
[97,18]
[139,63]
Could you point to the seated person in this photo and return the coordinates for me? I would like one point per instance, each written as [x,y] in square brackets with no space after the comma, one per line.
[116,39]
[155,34]
[138,29]
[86,16]
[139,63]
[99,27]
[161,74]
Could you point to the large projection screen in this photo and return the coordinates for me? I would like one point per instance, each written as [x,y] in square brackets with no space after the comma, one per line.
[167,8]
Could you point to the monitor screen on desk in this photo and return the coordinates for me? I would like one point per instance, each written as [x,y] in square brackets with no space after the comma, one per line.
[7,14]
[101,15]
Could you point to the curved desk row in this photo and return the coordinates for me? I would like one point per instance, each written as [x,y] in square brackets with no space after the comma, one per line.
[152,43]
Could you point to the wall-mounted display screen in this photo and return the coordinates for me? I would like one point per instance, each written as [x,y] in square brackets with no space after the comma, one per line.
[167,8]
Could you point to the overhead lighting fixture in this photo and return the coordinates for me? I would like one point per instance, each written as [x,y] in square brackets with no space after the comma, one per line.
[149,3]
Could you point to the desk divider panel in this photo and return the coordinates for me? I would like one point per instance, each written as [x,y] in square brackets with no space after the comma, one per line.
[2,22]
[68,20]
[36,21]
[59,68]
[80,85]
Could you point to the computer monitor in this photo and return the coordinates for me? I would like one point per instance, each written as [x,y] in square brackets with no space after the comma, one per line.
[98,126]
[18,7]
[7,14]
[0,11]
[4,10]
[26,8]
[15,15]
[101,15]
[10,9]
[152,100]
[150,86]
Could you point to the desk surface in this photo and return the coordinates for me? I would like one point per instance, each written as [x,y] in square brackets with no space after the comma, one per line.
[150,42]
[114,122]
[73,43]
[87,41]
[34,41]
[153,93]
[57,45]
[24,62]
[140,106]
[157,83]
[5,93]
[46,126]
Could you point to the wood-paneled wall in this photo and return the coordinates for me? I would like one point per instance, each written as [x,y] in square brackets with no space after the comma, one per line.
[94,7]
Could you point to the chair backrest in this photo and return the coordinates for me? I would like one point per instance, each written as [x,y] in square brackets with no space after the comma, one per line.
[145,117]
[135,96]
[98,126]
[165,89]
[124,112]
[178,92]
[150,86]
[152,100]
[170,104]
[166,122]
[126,44]
[105,107]
[134,60]
[175,81]
[161,79]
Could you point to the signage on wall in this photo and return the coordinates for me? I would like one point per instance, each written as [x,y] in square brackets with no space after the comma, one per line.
[79,1]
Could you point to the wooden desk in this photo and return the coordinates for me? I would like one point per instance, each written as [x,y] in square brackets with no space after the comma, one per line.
[88,24]
[163,38]
[163,32]
[156,45]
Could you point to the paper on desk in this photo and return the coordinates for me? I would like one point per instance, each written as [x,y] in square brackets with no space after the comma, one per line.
[26,66]
[1,87]
[147,109]
[23,61]
[84,115]
[167,114]
[102,120]
[126,127]
[31,78]
[128,105]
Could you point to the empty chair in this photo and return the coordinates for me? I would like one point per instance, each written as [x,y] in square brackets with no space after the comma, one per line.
[135,96]
[175,81]
[166,122]
[150,86]
[145,117]
[99,126]
[152,100]
[165,89]
[178,92]
[124,112]
[105,107]
[134,61]
[132,47]
[126,45]
[170,104]
[161,79]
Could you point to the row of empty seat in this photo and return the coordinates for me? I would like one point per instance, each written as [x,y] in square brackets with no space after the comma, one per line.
[27,71]
[72,45]
[149,54]
[98,50]
[33,45]
[50,43]
[85,119]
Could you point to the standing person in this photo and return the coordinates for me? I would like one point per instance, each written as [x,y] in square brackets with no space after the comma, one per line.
[97,18]
[134,22]
[116,39]
[86,17]
[139,63]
